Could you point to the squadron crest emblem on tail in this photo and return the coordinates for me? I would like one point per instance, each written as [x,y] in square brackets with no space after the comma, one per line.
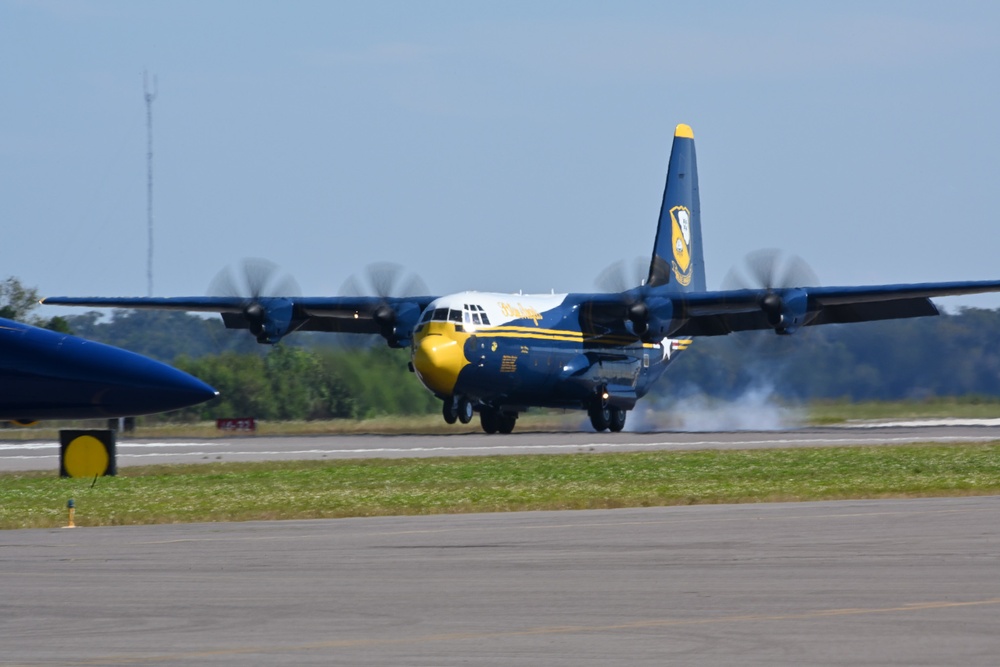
[680,219]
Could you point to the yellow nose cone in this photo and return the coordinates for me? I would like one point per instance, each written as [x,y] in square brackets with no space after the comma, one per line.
[438,357]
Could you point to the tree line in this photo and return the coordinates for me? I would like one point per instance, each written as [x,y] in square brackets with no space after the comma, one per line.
[951,355]
[294,383]
[311,376]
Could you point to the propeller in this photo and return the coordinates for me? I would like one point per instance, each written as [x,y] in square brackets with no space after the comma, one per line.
[252,279]
[777,273]
[628,278]
[265,292]
[623,275]
[386,281]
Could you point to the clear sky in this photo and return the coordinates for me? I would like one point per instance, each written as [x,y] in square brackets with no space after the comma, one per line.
[493,145]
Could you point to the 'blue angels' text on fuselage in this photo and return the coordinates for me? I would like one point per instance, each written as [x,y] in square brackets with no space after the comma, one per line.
[519,312]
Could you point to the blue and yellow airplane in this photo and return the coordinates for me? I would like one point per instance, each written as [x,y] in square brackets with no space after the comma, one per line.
[50,375]
[501,354]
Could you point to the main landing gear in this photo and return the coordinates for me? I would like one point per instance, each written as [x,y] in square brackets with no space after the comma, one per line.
[496,421]
[605,417]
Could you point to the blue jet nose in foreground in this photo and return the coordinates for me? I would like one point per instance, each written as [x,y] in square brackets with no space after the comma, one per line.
[49,375]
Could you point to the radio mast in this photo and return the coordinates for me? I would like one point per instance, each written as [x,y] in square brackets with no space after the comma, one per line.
[150,96]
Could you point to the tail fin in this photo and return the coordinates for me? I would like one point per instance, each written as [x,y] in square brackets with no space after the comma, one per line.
[678,260]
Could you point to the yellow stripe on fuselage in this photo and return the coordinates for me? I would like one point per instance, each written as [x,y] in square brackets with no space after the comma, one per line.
[554,334]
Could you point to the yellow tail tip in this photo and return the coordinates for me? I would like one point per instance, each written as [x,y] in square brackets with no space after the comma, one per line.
[684,131]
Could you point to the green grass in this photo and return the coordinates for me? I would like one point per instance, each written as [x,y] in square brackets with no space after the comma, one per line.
[314,489]
[556,420]
[818,413]
[964,407]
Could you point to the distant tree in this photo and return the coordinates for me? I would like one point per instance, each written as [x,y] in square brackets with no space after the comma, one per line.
[240,380]
[381,383]
[164,335]
[59,324]
[291,383]
[18,302]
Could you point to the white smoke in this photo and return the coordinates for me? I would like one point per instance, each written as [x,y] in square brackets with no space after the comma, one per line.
[756,409]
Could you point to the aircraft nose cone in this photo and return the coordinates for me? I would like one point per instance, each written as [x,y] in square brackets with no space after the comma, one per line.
[438,359]
[150,386]
[45,375]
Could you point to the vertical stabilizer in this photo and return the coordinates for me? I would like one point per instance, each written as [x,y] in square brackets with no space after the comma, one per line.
[678,261]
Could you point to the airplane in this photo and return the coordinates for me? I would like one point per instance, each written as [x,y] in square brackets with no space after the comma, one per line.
[501,354]
[49,375]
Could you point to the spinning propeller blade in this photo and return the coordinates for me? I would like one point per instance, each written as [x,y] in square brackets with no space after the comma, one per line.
[266,295]
[779,275]
[386,282]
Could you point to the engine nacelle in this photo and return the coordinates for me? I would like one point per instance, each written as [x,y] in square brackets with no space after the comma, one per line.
[269,318]
[397,324]
[653,319]
[787,310]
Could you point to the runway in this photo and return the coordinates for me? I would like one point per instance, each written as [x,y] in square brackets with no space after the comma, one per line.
[913,582]
[892,582]
[40,455]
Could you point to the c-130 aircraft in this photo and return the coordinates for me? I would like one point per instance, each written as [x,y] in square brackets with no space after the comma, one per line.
[501,354]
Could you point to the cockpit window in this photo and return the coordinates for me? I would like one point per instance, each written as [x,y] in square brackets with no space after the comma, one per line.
[471,314]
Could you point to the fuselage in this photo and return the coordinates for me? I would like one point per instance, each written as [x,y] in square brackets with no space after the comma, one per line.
[49,375]
[510,351]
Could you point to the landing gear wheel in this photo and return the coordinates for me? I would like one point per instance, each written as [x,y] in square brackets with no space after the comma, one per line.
[506,421]
[600,417]
[617,421]
[464,410]
[448,412]
[489,419]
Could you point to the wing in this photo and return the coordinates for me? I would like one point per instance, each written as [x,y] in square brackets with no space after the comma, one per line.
[271,318]
[785,310]
[655,314]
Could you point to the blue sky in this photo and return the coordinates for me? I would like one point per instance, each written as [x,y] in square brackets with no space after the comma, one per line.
[494,146]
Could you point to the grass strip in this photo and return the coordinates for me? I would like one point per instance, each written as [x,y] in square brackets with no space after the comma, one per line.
[960,407]
[815,412]
[328,489]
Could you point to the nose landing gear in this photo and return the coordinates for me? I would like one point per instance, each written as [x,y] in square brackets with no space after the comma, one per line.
[457,409]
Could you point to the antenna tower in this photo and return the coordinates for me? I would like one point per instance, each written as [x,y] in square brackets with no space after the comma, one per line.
[150,96]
